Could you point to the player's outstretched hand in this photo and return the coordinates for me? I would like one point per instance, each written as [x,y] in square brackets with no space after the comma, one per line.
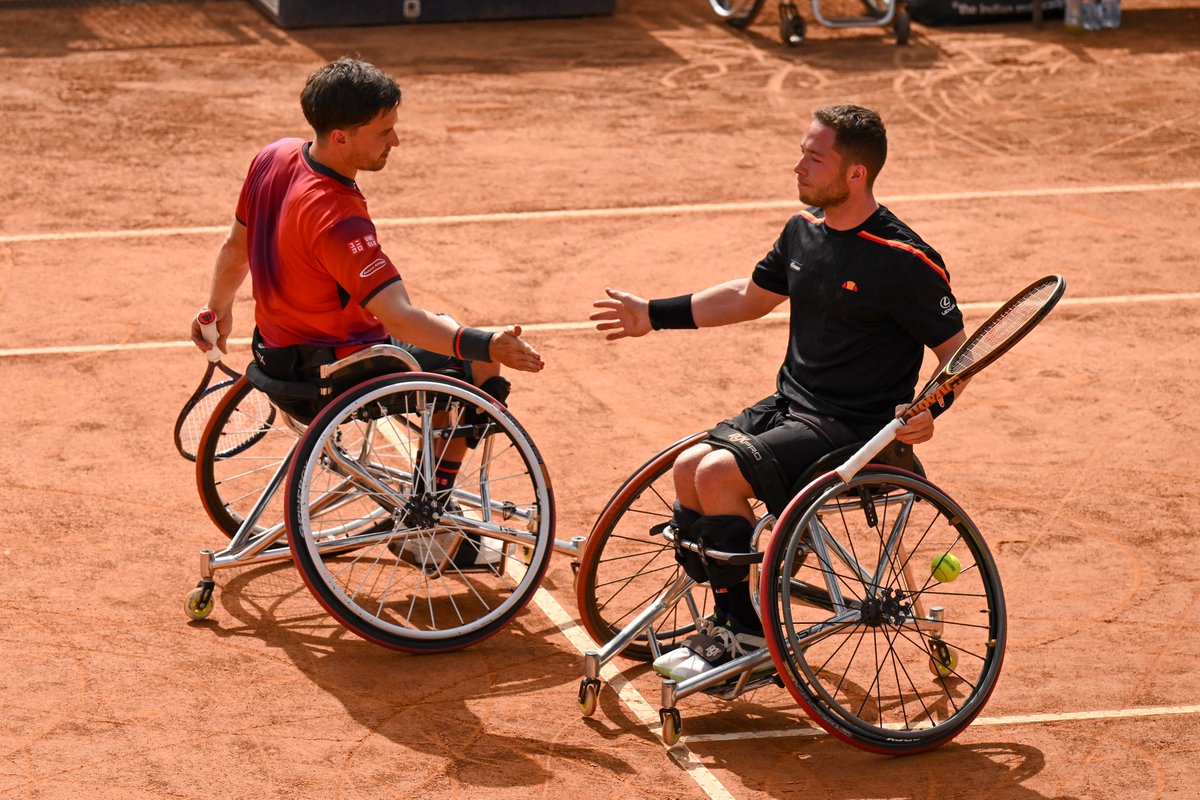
[916,430]
[622,314]
[512,351]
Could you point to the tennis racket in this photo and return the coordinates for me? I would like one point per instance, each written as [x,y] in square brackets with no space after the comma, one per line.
[995,337]
[193,417]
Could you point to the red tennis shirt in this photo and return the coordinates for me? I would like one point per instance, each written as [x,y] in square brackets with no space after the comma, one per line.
[315,260]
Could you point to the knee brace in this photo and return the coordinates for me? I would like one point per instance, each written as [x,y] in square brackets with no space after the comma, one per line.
[729,534]
[682,521]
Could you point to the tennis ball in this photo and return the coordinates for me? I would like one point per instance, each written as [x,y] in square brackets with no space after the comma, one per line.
[942,661]
[945,567]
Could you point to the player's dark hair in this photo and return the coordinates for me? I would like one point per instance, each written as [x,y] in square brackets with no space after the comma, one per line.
[345,94]
[860,137]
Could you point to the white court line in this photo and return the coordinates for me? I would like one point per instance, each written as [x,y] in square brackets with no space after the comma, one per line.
[628,211]
[571,326]
[1016,719]
[632,698]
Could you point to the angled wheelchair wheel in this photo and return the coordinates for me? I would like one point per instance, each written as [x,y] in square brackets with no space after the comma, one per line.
[736,13]
[883,611]
[245,442]
[396,557]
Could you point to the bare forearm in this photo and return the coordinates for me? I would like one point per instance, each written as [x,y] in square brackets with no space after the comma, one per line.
[730,303]
[420,327]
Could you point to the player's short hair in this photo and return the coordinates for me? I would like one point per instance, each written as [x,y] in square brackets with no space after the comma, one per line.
[345,94]
[860,137]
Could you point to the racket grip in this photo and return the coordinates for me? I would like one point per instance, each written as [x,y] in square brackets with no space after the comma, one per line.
[207,320]
[869,450]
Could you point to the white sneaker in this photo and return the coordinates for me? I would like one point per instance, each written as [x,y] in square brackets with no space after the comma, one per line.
[723,646]
[689,647]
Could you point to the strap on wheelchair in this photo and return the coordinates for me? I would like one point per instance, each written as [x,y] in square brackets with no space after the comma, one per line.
[756,462]
[287,390]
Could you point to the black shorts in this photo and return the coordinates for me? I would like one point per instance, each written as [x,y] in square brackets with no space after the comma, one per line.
[796,439]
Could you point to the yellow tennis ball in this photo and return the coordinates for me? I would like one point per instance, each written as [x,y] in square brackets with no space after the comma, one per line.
[942,661]
[946,567]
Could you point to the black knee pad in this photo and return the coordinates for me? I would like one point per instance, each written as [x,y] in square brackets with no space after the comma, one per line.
[498,387]
[729,534]
[682,520]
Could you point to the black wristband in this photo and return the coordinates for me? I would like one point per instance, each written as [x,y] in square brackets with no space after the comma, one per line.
[473,344]
[936,409]
[672,312]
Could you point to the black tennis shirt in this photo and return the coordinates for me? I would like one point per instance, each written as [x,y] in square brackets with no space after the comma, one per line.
[864,304]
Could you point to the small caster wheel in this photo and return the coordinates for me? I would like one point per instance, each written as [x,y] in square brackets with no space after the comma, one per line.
[589,693]
[672,725]
[791,25]
[902,25]
[199,603]
[942,660]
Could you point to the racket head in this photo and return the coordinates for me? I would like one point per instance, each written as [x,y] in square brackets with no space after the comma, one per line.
[1004,328]
[193,418]
[1007,326]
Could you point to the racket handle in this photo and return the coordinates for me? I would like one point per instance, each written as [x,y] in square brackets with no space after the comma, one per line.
[207,319]
[869,450]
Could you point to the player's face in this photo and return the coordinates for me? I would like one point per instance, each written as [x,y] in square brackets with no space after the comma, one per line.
[820,173]
[369,145]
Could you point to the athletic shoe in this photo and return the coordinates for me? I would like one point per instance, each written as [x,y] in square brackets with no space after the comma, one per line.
[692,645]
[722,646]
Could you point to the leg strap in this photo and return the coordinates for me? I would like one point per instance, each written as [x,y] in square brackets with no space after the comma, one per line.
[729,534]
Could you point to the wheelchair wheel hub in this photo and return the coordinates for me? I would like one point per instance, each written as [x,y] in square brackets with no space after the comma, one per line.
[886,608]
[422,511]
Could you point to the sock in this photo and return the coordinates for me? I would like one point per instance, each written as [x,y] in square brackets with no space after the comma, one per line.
[741,609]
[445,475]
[721,603]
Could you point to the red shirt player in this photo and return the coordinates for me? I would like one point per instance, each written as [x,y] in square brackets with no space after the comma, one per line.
[320,277]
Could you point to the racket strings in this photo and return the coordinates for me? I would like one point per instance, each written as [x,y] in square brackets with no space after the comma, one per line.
[197,419]
[1004,326]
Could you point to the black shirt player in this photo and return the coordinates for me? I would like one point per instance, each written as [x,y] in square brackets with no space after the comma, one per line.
[866,295]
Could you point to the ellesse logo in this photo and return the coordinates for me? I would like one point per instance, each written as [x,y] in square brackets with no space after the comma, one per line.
[850,286]
[373,267]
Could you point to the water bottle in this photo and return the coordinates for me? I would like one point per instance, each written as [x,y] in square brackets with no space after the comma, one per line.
[1110,13]
[1089,17]
[1072,14]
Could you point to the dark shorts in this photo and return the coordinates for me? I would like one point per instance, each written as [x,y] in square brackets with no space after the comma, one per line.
[794,440]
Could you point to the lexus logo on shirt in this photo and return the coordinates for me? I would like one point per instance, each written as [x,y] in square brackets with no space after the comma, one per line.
[947,305]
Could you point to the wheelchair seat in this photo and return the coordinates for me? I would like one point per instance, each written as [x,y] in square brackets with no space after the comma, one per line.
[303,400]
[896,454]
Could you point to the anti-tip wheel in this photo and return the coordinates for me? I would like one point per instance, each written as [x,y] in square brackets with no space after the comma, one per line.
[672,725]
[197,605]
[589,694]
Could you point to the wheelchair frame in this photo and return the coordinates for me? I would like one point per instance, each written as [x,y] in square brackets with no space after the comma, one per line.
[792,28]
[350,484]
[835,598]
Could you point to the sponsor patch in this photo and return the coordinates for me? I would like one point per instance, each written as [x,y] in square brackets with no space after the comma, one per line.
[356,246]
[947,305]
[850,286]
[373,267]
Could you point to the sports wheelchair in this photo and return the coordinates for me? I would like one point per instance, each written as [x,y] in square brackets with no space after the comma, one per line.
[351,498]
[881,604]
[792,28]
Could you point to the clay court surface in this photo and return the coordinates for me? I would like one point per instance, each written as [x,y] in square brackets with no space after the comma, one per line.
[1015,151]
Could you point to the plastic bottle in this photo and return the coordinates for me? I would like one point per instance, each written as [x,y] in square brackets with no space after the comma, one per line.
[1072,15]
[1110,13]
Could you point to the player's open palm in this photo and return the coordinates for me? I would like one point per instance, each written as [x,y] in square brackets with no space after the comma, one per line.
[621,314]
[512,351]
